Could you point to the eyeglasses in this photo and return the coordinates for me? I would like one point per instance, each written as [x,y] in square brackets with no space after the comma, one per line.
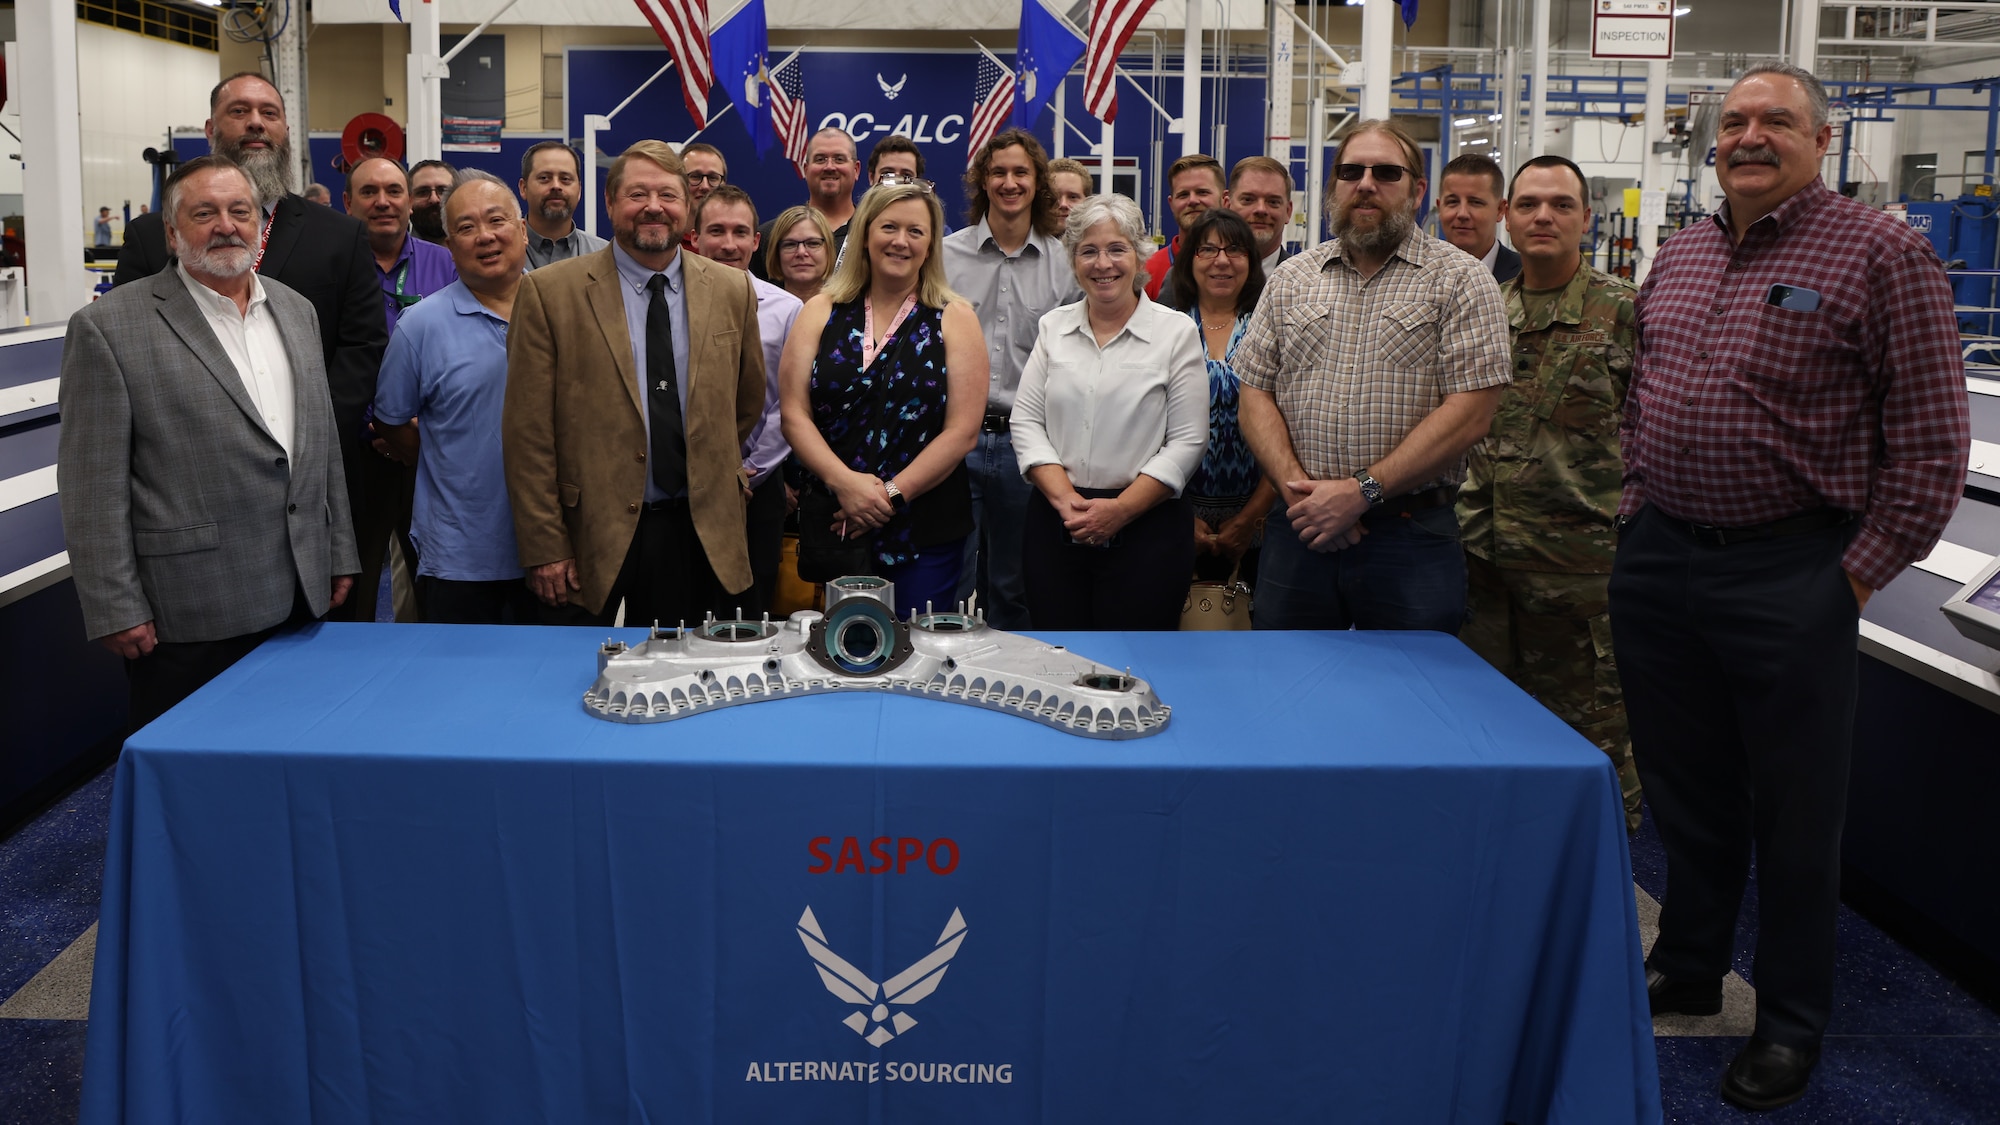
[821,159]
[705,178]
[1207,253]
[898,178]
[1384,173]
[1112,252]
[794,245]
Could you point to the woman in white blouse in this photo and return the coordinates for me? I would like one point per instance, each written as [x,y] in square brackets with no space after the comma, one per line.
[1110,421]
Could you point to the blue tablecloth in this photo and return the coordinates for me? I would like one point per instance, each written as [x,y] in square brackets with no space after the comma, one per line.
[397,874]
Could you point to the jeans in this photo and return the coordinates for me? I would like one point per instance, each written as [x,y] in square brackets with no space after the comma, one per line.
[993,550]
[1408,572]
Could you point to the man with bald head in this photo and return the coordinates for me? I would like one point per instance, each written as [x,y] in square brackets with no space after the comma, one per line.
[323,256]
[410,269]
[1796,434]
[202,497]
[442,387]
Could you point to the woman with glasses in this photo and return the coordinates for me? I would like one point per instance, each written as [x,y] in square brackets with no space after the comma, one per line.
[1218,286]
[1110,421]
[881,388]
[798,258]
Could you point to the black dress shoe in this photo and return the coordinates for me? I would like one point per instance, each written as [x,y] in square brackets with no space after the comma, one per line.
[1682,997]
[1767,1075]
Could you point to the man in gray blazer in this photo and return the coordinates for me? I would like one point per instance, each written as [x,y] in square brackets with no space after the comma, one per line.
[202,493]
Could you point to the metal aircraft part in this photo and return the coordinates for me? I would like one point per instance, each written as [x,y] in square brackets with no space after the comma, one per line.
[859,645]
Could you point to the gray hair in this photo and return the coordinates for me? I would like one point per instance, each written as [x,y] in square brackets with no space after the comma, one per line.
[466,176]
[1122,213]
[170,201]
[1815,91]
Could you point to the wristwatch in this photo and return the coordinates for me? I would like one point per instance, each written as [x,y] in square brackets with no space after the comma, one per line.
[1371,489]
[896,498]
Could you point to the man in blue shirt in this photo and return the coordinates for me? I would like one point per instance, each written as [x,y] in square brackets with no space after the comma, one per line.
[438,403]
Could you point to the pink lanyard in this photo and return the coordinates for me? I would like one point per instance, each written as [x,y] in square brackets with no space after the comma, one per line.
[868,346]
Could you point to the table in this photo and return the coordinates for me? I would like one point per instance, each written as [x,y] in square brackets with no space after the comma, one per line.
[395,873]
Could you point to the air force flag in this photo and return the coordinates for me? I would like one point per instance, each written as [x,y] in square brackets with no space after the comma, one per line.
[1046,53]
[740,51]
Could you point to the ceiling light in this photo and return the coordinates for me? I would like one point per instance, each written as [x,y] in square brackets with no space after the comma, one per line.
[1495,116]
[1475,141]
[1679,12]
[1465,121]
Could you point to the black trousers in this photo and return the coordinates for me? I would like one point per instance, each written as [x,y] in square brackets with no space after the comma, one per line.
[1140,581]
[175,669]
[382,497]
[766,528]
[1739,667]
[451,601]
[665,577]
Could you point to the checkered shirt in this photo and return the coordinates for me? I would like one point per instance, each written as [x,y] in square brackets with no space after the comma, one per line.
[1356,363]
[1741,412]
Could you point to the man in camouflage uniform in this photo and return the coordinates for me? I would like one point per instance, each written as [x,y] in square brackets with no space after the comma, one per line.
[1543,488]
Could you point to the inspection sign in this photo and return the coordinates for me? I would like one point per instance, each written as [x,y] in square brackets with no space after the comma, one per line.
[1632,29]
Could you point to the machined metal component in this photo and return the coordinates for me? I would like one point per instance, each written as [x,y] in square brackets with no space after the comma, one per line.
[859,645]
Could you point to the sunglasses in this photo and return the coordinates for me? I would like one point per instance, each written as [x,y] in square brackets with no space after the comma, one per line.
[905,179]
[1384,173]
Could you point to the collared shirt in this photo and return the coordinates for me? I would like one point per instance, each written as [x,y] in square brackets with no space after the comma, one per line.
[256,349]
[1491,256]
[1356,363]
[766,448]
[1743,411]
[420,270]
[632,279]
[1541,492]
[1010,292]
[1139,404]
[447,369]
[542,249]
[1272,259]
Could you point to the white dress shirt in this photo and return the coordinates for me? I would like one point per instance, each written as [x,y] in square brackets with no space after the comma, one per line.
[1139,404]
[254,345]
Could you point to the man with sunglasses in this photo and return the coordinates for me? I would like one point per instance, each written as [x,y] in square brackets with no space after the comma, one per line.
[1372,364]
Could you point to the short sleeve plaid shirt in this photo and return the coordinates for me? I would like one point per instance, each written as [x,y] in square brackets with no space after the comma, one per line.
[1743,410]
[1356,363]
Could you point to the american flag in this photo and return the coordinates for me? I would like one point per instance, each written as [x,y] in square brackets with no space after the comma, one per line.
[787,87]
[1112,23]
[683,26]
[992,103]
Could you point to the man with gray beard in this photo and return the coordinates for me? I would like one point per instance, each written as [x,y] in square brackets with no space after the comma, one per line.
[1372,365]
[202,497]
[323,256]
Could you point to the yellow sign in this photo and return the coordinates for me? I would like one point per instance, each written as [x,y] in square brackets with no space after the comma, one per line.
[1631,203]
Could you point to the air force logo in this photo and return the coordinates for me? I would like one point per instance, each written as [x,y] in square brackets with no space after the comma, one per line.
[902,990]
[889,91]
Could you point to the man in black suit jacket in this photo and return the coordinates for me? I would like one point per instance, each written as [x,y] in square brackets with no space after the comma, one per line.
[324,256]
[1472,195]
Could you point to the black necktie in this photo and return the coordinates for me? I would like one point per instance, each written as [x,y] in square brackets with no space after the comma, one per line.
[663,396]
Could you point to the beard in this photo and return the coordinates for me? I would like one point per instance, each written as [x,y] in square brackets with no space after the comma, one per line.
[428,221]
[554,209]
[269,169]
[227,258]
[1382,236]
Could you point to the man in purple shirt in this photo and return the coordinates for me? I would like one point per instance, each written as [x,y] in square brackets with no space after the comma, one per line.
[1796,433]
[410,269]
[378,193]
[725,232]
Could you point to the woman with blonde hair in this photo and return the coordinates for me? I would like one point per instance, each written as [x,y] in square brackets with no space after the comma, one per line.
[800,257]
[881,388]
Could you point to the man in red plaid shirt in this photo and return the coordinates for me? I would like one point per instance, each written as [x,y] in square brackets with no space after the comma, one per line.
[1795,435]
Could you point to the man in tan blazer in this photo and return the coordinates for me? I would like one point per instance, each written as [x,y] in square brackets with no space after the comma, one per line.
[634,374]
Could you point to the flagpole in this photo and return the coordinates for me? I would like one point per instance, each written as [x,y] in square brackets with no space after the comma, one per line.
[719,115]
[593,124]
